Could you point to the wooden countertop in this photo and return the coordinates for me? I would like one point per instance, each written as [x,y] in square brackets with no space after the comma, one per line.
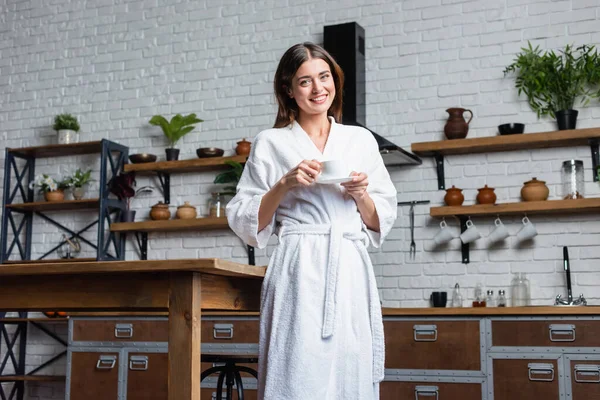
[212,266]
[491,311]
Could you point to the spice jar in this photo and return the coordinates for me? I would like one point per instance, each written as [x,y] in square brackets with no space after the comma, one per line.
[216,205]
[572,179]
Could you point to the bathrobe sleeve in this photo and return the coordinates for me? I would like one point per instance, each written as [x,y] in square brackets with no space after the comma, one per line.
[382,191]
[242,210]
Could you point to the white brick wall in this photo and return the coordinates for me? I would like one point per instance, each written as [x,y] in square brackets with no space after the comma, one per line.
[116,63]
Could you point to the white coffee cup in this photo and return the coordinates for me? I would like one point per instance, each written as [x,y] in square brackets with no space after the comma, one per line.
[334,169]
[499,233]
[528,231]
[471,234]
[444,235]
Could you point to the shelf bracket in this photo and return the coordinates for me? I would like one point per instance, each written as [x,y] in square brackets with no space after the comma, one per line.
[595,158]
[142,241]
[251,260]
[464,246]
[165,183]
[439,163]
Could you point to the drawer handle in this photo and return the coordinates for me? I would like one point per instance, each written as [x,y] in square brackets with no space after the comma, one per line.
[562,330]
[214,396]
[426,391]
[138,363]
[425,333]
[123,331]
[223,331]
[587,370]
[106,362]
[545,372]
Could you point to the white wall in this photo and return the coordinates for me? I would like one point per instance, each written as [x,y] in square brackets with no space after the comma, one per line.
[116,63]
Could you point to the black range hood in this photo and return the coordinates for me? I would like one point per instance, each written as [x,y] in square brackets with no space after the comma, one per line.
[346,43]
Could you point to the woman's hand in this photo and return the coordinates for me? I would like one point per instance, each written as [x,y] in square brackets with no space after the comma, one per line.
[357,187]
[302,175]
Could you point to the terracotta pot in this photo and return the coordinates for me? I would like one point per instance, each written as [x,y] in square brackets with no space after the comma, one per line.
[535,190]
[243,147]
[454,196]
[186,211]
[56,195]
[486,195]
[160,211]
[456,127]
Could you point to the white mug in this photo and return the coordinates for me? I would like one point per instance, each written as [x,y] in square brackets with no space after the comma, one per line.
[499,233]
[334,169]
[444,235]
[528,231]
[471,234]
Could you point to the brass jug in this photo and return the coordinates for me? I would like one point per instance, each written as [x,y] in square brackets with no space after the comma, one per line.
[456,126]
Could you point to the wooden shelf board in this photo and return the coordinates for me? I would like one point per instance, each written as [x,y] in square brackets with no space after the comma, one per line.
[526,141]
[65,205]
[49,261]
[58,320]
[530,207]
[172,225]
[32,378]
[191,165]
[59,150]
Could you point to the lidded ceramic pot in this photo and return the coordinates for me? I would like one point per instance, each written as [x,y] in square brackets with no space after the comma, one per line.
[243,147]
[535,190]
[486,195]
[186,211]
[454,196]
[160,211]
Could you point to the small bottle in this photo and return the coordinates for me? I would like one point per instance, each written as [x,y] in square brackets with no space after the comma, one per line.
[489,300]
[479,299]
[501,302]
[457,300]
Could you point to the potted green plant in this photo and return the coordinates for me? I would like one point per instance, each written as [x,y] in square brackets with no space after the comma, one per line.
[122,186]
[553,82]
[67,127]
[216,205]
[178,127]
[53,190]
[77,182]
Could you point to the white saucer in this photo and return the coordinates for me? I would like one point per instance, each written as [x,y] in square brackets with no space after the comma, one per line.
[326,181]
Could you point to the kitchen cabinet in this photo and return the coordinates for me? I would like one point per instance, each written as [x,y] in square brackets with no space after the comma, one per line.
[582,376]
[427,391]
[525,378]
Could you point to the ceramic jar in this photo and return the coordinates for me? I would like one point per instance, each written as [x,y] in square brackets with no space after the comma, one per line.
[186,211]
[55,195]
[535,190]
[243,147]
[454,196]
[456,127]
[486,195]
[160,211]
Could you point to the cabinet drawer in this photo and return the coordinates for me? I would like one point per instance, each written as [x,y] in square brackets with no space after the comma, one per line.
[525,379]
[429,391]
[94,376]
[147,376]
[125,330]
[585,379]
[573,333]
[230,331]
[438,345]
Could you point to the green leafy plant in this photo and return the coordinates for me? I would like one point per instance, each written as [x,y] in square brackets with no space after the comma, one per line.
[233,175]
[553,82]
[79,178]
[66,121]
[178,127]
[45,183]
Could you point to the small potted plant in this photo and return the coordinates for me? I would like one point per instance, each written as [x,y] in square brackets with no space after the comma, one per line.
[52,190]
[78,181]
[216,204]
[122,186]
[67,127]
[553,82]
[178,127]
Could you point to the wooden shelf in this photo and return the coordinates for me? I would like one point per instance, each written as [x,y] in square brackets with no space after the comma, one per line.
[526,141]
[57,320]
[192,165]
[65,205]
[32,378]
[49,261]
[172,225]
[59,150]
[529,207]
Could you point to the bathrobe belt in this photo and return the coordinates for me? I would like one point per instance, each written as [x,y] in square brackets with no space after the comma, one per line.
[336,235]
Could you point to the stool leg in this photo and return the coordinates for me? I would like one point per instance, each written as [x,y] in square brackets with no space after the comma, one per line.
[248,370]
[209,371]
[240,385]
[230,381]
[220,384]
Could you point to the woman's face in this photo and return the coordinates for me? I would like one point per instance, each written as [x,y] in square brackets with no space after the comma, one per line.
[313,87]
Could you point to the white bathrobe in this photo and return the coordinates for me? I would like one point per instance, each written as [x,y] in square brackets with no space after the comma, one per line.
[321,334]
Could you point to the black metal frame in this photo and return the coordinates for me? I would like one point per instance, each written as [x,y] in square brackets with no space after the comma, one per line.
[25,226]
[464,246]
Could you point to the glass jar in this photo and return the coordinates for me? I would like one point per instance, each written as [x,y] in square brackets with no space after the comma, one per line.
[501,301]
[520,290]
[572,179]
[216,205]
[457,300]
[479,299]
[489,299]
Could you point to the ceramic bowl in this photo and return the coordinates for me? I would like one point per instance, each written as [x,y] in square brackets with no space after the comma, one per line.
[205,152]
[511,129]
[142,158]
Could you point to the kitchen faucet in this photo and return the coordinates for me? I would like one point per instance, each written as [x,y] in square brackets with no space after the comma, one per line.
[569,301]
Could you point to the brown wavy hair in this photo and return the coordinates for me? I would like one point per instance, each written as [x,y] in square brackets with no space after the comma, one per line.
[291,60]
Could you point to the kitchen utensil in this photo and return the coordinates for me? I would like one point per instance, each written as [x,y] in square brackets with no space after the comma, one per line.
[511,129]
[413,246]
[206,152]
[142,158]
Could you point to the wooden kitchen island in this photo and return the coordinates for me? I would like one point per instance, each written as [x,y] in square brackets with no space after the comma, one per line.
[181,287]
